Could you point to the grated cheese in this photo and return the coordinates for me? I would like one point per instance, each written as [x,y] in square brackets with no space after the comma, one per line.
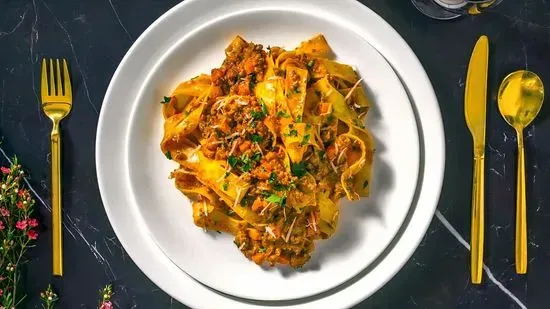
[314,222]
[342,153]
[270,231]
[242,246]
[233,135]
[333,167]
[237,197]
[353,89]
[290,230]
[259,149]
[232,148]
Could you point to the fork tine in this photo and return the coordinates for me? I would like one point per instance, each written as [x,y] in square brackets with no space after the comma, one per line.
[67,79]
[59,82]
[52,80]
[44,80]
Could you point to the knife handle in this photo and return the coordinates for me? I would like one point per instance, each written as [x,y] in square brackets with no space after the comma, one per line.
[521,212]
[478,219]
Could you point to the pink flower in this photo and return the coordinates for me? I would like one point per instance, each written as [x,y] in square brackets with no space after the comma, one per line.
[106,305]
[1,292]
[21,224]
[32,234]
[4,212]
[1,228]
[21,192]
[5,170]
[20,205]
[32,222]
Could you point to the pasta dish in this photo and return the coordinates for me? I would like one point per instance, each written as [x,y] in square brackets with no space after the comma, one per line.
[268,144]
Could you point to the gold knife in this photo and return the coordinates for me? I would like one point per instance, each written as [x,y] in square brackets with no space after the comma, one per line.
[475,103]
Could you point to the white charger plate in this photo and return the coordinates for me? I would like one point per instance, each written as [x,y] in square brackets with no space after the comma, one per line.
[141,220]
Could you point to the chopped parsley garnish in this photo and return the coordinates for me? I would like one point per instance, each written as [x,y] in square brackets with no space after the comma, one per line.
[226,174]
[272,177]
[256,138]
[261,250]
[232,160]
[280,187]
[282,114]
[365,184]
[293,132]
[298,169]
[219,133]
[297,89]
[257,115]
[165,100]
[253,81]
[225,186]
[274,198]
[264,107]
[246,167]
[321,154]
[299,119]
[305,140]
[256,157]
[330,119]
[168,155]
[308,126]
[310,64]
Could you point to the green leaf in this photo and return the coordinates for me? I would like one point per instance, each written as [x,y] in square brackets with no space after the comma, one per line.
[257,157]
[365,184]
[261,250]
[310,64]
[298,169]
[321,154]
[256,138]
[246,167]
[225,186]
[274,198]
[305,140]
[232,160]
[272,177]
[293,132]
[165,100]
[264,107]
[168,155]
[299,119]
[257,115]
[282,114]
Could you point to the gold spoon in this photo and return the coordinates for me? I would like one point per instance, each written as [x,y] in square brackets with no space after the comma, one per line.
[520,98]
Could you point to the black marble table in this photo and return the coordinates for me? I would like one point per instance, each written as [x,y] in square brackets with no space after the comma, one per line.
[95,35]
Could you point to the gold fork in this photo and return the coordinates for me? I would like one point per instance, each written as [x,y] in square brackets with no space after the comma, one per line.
[57,100]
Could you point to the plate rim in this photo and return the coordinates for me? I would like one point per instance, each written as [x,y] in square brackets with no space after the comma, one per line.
[435,135]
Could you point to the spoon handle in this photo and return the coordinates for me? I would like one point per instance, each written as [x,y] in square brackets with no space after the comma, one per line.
[478,218]
[521,212]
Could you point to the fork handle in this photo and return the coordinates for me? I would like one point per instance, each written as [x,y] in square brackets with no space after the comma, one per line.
[57,235]
[478,219]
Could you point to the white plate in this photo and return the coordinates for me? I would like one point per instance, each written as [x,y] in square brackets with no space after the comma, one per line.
[129,206]
[366,227]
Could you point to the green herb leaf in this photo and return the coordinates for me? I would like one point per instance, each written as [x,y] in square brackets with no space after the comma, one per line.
[257,115]
[330,119]
[308,126]
[168,155]
[272,177]
[226,175]
[293,133]
[299,119]
[274,198]
[310,64]
[246,167]
[225,186]
[321,154]
[256,138]
[305,140]
[232,160]
[365,184]
[298,169]
[165,100]
[280,187]
[264,107]
[261,250]
[282,114]
[256,157]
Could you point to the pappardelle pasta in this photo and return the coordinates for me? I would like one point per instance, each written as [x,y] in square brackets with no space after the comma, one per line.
[268,144]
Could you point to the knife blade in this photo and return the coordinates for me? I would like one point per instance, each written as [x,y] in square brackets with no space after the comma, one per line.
[475,106]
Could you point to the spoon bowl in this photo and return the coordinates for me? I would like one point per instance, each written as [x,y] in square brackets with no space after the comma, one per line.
[520,98]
